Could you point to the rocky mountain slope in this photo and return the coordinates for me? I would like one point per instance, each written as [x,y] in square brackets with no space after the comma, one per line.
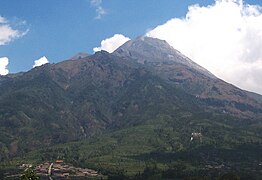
[146,95]
[175,68]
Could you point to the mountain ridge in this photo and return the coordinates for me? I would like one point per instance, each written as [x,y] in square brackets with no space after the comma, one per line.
[186,74]
[155,50]
[102,102]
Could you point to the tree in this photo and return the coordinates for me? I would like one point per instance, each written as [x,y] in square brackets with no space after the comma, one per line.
[29,174]
[230,176]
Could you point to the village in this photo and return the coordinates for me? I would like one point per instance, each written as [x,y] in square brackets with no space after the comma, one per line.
[60,170]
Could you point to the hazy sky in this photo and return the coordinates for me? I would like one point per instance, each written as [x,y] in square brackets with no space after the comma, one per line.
[224,36]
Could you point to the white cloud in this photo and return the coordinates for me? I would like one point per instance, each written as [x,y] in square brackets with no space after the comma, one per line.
[3,65]
[96,2]
[8,33]
[100,11]
[2,19]
[112,43]
[225,38]
[43,60]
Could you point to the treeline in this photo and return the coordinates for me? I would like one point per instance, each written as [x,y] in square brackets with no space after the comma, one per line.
[180,172]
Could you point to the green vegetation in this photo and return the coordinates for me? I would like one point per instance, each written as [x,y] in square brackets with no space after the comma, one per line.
[29,174]
[162,148]
[130,120]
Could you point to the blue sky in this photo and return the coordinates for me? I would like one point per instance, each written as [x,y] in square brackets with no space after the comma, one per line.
[58,29]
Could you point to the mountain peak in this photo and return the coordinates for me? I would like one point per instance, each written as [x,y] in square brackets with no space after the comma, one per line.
[152,50]
[146,44]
